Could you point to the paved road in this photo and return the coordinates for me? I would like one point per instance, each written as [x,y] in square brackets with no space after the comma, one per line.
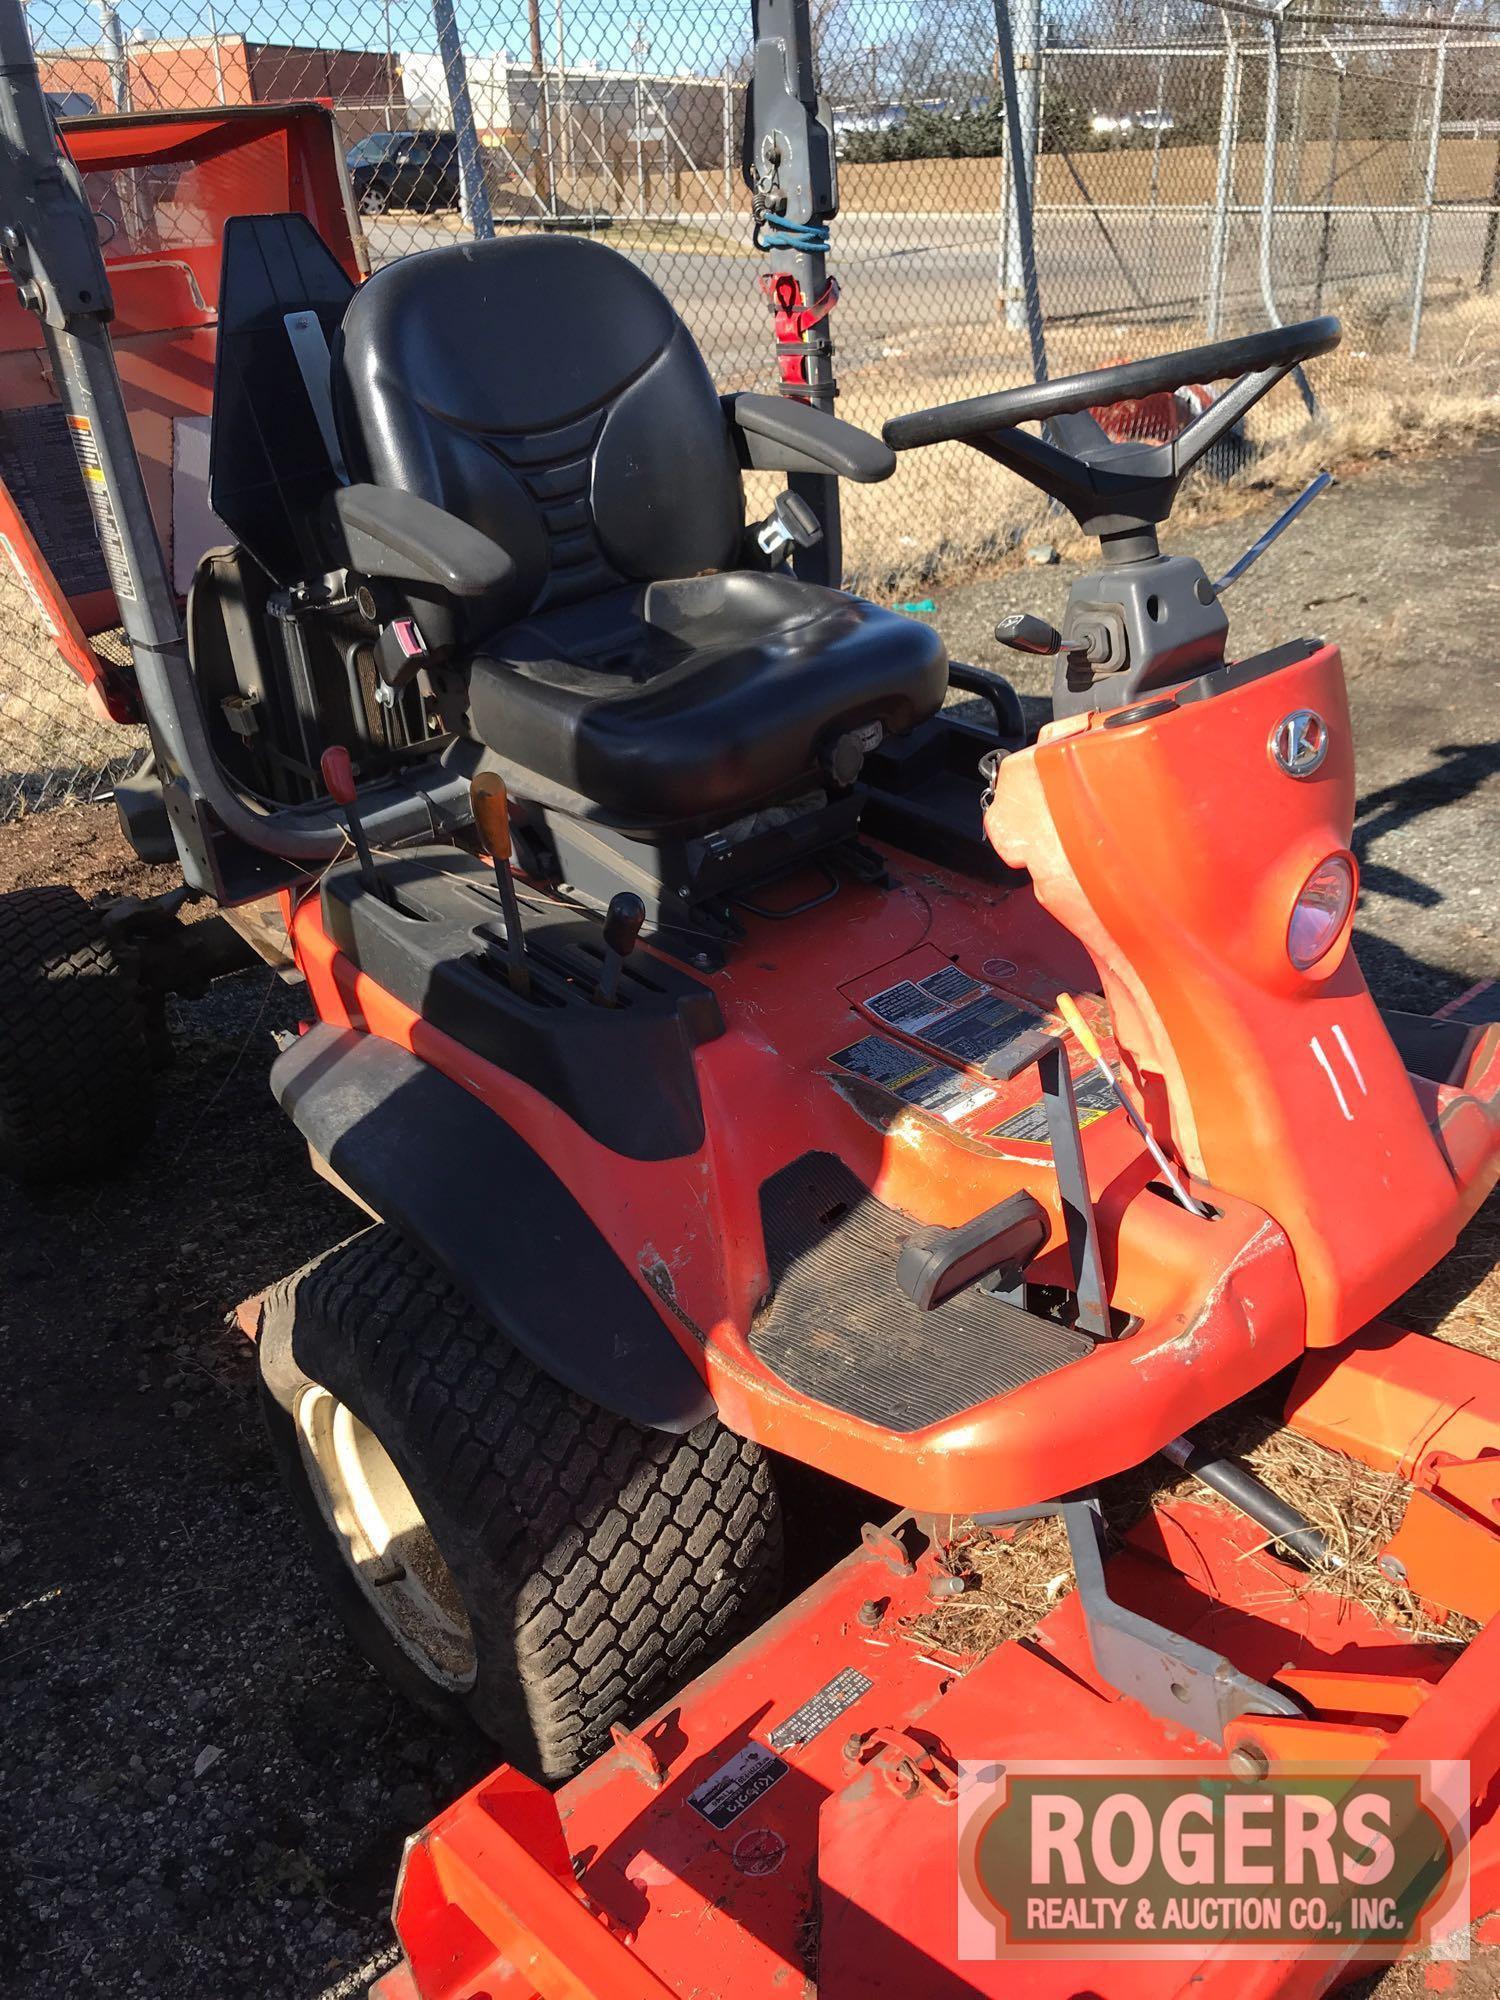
[906,276]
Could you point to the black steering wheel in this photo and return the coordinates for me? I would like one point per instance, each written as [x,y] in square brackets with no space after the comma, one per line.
[1116,488]
[1279,349]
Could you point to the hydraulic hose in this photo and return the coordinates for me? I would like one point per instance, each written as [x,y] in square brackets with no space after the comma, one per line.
[1254,1499]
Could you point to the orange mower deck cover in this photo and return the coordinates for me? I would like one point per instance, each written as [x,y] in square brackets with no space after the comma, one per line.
[1279,1086]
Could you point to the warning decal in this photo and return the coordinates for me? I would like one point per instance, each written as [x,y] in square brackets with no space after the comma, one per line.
[964,1020]
[916,1003]
[906,1073]
[826,1706]
[111,542]
[736,1786]
[1091,1094]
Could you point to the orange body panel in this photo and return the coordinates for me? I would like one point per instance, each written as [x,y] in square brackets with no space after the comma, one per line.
[1219,1302]
[1174,847]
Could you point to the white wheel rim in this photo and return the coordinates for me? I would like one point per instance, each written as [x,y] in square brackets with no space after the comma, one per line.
[385,1542]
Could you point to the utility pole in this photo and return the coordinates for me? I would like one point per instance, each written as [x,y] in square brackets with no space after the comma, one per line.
[542,162]
[875,50]
[1019,68]
[565,132]
[476,194]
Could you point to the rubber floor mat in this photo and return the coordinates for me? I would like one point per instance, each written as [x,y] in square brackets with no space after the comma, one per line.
[839,1328]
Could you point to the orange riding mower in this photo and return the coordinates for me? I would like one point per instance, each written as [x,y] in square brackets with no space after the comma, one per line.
[776,1097]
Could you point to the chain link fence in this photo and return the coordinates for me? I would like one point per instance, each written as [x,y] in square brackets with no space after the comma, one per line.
[1196,170]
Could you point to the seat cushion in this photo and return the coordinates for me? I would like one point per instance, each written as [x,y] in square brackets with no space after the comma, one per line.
[698,700]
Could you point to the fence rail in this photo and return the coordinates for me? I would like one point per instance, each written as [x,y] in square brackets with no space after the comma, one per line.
[1194,170]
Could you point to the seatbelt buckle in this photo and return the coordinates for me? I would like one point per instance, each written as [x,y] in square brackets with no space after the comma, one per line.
[400,655]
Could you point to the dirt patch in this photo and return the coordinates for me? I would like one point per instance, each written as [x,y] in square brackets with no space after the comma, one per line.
[82,845]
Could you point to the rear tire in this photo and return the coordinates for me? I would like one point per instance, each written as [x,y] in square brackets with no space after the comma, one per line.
[505,1552]
[77,1094]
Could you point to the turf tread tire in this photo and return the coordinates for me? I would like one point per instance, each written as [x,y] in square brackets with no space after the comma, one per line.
[77,1091]
[591,1593]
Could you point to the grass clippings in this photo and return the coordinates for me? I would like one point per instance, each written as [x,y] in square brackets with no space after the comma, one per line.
[1017,1576]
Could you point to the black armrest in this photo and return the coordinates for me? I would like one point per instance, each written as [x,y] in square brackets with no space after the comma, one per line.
[779,434]
[396,535]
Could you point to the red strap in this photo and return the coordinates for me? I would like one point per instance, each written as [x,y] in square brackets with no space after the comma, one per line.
[793,320]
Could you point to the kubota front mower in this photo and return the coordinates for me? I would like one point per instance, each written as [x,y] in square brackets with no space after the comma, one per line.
[742,1060]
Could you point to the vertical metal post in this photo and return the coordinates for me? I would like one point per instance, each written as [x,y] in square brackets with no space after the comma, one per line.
[565,136]
[791,171]
[1325,238]
[1218,248]
[1491,228]
[1429,191]
[1154,228]
[213,29]
[640,153]
[542,175]
[1023,304]
[476,194]
[116,60]
[727,123]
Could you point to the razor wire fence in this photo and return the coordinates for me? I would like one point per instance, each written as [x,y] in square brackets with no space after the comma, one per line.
[1195,170]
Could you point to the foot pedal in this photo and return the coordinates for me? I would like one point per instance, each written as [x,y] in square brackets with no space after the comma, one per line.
[838,1327]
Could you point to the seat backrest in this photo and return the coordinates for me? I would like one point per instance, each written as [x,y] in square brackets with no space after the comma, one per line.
[543,389]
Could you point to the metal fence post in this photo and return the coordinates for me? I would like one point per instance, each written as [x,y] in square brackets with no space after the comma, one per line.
[1023,305]
[116,60]
[1218,253]
[476,193]
[1325,238]
[1491,228]
[728,136]
[1424,226]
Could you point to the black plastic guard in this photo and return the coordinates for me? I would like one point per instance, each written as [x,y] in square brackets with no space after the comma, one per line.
[452,1177]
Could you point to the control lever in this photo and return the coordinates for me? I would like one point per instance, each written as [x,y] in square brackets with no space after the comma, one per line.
[622,927]
[338,782]
[791,520]
[1279,526]
[1025,634]
[491,810]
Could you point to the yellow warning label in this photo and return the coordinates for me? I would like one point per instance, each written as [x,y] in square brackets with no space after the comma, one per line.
[106,525]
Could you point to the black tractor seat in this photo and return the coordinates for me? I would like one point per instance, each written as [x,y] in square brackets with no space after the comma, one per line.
[641,665]
[694,701]
[539,495]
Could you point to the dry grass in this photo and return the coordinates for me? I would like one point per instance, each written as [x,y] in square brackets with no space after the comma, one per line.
[1019,1576]
[950,514]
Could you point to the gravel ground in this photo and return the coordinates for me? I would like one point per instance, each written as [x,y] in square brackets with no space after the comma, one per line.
[207,1792]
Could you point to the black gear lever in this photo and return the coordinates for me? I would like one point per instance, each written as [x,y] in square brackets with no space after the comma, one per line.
[622,927]
[1025,634]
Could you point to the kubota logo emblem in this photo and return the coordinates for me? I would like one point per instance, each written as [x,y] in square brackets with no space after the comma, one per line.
[1299,742]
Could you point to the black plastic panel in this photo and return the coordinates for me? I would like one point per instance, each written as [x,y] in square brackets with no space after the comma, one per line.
[625,1073]
[450,1176]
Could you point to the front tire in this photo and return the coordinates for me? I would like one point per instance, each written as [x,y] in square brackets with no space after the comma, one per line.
[505,1552]
[77,1086]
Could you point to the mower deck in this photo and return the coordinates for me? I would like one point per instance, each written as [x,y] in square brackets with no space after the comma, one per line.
[789,1822]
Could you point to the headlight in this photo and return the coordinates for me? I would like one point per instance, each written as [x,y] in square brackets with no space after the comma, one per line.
[1319,913]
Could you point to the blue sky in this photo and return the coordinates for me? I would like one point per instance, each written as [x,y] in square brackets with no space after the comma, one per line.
[682,36]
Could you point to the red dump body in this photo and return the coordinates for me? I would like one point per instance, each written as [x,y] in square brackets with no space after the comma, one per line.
[162,188]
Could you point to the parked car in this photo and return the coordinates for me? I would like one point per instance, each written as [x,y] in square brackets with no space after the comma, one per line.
[405,170]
